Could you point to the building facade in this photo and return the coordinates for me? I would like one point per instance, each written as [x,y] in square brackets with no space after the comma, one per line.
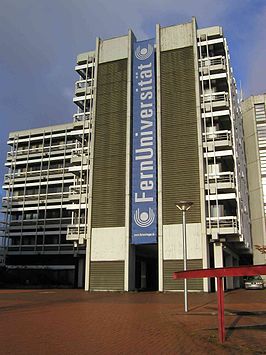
[38,188]
[157,121]
[254,121]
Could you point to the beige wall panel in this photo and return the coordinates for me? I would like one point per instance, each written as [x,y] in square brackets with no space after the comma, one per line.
[255,203]
[173,241]
[248,124]
[176,37]
[254,179]
[108,244]
[113,49]
[251,151]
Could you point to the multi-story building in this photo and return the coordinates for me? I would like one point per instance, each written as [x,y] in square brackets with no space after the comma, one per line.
[38,184]
[254,120]
[158,121]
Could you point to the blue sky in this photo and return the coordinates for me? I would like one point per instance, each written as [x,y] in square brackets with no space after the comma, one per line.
[40,39]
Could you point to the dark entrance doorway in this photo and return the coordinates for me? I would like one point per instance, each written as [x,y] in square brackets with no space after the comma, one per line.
[146,268]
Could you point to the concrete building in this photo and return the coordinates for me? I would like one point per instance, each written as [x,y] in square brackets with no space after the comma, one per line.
[157,121]
[254,120]
[38,184]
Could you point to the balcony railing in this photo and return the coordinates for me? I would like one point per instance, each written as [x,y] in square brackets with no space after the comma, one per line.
[217,136]
[77,189]
[45,149]
[222,222]
[75,232]
[82,116]
[36,173]
[224,177]
[7,201]
[212,61]
[215,97]
[82,84]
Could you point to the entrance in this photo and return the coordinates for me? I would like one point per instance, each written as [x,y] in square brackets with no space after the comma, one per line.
[146,268]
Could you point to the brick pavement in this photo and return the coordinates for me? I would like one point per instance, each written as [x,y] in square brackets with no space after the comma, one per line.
[53,321]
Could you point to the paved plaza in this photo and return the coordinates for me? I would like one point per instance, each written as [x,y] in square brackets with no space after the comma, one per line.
[56,321]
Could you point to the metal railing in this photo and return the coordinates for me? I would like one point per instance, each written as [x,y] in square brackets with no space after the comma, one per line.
[40,149]
[77,189]
[224,135]
[224,177]
[74,232]
[210,61]
[82,84]
[222,222]
[34,197]
[215,97]
[35,173]
[82,116]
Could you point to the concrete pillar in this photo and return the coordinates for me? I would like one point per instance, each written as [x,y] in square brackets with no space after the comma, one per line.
[218,255]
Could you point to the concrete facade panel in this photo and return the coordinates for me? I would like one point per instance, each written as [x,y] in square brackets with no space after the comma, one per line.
[173,241]
[255,204]
[113,49]
[108,244]
[174,37]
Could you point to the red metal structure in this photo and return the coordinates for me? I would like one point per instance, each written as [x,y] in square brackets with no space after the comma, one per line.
[219,273]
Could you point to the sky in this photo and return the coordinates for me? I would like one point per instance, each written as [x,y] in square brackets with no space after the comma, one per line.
[40,39]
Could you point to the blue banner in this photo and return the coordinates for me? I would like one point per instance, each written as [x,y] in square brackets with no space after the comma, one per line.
[144,151]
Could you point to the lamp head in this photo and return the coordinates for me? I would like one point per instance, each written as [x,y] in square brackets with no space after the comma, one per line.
[183,205]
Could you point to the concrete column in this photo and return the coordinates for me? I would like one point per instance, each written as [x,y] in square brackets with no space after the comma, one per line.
[159,160]
[218,255]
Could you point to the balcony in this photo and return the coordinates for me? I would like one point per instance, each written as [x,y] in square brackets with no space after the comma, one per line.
[82,116]
[211,64]
[79,156]
[216,139]
[78,193]
[220,181]
[214,100]
[76,232]
[82,86]
[222,225]
[84,100]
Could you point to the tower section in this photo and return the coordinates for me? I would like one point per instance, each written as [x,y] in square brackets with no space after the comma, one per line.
[180,168]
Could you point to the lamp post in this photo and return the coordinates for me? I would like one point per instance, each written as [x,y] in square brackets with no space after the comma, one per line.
[184,206]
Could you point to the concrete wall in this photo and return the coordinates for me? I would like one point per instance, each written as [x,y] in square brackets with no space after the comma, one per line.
[254,175]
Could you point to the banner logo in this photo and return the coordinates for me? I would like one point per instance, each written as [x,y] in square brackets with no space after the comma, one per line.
[144,53]
[144,149]
[144,219]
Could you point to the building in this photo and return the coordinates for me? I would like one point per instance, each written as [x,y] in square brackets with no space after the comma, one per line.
[157,121]
[254,120]
[38,186]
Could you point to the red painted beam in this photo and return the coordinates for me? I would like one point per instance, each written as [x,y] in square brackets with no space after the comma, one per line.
[246,270]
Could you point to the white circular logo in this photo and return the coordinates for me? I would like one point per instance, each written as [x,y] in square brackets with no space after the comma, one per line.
[144,53]
[144,219]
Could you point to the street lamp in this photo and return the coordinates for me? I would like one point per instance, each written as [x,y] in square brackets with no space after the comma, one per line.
[184,206]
